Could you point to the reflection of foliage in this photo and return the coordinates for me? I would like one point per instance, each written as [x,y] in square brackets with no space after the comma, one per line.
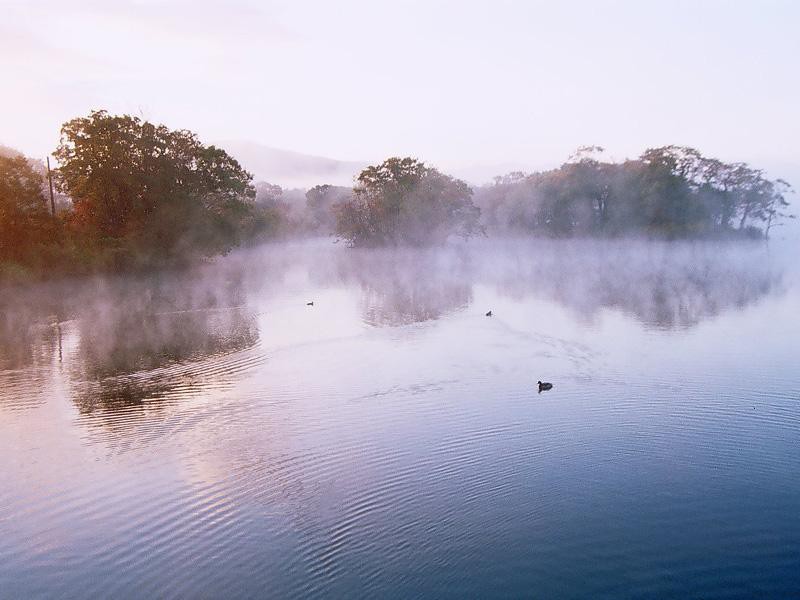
[28,346]
[116,394]
[29,330]
[142,335]
[157,363]
[128,339]
[126,359]
[134,339]
[664,285]
[125,342]
[407,286]
[400,301]
[23,340]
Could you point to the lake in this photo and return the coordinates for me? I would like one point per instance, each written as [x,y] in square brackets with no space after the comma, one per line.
[206,433]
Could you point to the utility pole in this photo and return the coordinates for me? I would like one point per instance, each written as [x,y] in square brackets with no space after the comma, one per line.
[50,179]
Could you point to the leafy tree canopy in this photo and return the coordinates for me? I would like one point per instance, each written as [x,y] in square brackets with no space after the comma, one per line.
[320,203]
[24,219]
[151,192]
[671,191]
[403,201]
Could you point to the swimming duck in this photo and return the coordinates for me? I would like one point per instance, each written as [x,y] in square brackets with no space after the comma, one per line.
[310,303]
[544,386]
[489,314]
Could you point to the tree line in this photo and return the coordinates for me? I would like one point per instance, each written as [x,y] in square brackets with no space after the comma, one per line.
[135,195]
[669,192]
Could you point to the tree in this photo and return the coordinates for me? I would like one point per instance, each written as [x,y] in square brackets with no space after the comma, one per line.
[671,191]
[25,224]
[320,203]
[402,201]
[151,193]
[270,213]
[268,194]
[774,205]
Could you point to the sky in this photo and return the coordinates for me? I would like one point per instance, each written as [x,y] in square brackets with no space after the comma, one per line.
[456,83]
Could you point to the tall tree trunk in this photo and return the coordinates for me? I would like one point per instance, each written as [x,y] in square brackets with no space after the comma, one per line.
[744,217]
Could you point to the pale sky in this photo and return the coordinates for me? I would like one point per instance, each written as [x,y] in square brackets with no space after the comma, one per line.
[456,83]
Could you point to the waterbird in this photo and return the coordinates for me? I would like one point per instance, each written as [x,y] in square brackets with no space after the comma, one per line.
[310,303]
[489,314]
[544,386]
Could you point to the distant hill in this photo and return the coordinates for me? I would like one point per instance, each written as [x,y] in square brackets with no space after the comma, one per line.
[294,169]
[291,169]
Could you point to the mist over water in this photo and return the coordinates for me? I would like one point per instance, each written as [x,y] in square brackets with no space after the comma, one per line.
[207,433]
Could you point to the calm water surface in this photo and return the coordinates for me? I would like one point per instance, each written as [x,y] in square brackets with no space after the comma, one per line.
[208,434]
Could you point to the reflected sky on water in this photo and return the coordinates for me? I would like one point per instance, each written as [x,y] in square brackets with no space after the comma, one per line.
[208,433]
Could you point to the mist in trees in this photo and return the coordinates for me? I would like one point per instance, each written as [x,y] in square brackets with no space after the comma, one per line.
[320,203]
[403,201]
[26,226]
[131,194]
[144,194]
[669,192]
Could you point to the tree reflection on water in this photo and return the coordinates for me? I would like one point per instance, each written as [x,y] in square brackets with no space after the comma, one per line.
[121,341]
[663,285]
[400,287]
